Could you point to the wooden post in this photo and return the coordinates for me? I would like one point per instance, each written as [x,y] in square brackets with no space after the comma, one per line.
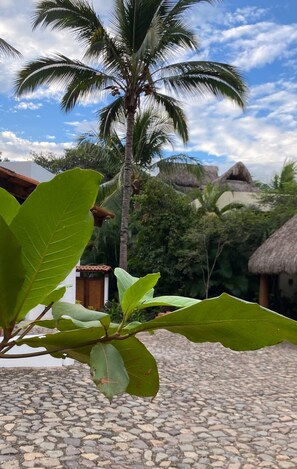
[264,291]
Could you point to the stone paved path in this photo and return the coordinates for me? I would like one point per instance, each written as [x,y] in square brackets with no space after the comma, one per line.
[215,409]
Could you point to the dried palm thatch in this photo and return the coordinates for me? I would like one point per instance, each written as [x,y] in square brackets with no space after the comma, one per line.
[278,253]
[184,180]
[237,179]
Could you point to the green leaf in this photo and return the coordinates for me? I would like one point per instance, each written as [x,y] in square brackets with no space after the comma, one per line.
[12,273]
[54,224]
[9,206]
[124,281]
[176,301]
[234,323]
[141,367]
[79,313]
[54,296]
[108,370]
[137,292]
[65,341]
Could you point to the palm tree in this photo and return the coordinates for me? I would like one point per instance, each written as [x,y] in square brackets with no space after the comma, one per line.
[7,50]
[131,59]
[287,177]
[208,201]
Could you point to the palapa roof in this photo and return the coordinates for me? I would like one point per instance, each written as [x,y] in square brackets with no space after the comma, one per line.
[21,187]
[184,180]
[237,179]
[278,253]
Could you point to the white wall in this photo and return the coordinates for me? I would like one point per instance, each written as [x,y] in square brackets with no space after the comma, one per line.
[29,169]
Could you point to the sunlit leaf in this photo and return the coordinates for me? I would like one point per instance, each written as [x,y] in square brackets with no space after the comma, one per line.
[137,292]
[175,301]
[9,206]
[53,225]
[234,323]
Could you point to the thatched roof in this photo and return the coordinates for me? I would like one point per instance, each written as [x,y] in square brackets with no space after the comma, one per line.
[237,179]
[278,253]
[177,175]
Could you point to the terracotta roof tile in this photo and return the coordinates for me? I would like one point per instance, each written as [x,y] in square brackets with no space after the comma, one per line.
[93,268]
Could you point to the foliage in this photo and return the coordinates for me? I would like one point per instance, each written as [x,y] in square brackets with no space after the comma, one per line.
[131,60]
[196,255]
[280,197]
[216,253]
[159,221]
[208,199]
[45,237]
[87,155]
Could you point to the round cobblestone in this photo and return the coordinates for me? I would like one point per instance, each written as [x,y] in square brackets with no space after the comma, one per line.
[215,409]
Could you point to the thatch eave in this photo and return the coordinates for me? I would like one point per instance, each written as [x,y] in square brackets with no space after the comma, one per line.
[278,254]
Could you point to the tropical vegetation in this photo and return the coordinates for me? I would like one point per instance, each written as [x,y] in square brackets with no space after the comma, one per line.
[132,60]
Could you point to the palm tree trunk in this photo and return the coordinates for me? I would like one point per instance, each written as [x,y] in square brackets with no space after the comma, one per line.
[126,191]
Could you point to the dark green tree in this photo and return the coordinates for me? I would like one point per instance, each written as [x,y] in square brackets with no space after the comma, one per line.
[131,60]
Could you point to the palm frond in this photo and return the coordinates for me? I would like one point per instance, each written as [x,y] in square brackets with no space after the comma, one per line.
[77,15]
[183,5]
[132,20]
[59,68]
[107,189]
[232,206]
[174,111]
[84,85]
[7,50]
[109,115]
[200,77]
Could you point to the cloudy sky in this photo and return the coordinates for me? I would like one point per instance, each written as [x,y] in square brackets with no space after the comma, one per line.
[258,36]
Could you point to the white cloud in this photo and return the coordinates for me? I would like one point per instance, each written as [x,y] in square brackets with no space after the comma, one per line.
[24,106]
[262,137]
[14,147]
[255,45]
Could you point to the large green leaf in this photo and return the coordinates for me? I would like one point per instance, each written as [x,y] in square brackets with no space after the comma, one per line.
[12,273]
[79,313]
[176,301]
[9,206]
[54,225]
[141,367]
[108,370]
[234,323]
[136,292]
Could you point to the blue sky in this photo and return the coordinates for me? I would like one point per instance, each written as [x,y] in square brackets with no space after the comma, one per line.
[258,36]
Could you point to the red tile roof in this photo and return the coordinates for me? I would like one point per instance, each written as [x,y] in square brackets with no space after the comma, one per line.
[93,268]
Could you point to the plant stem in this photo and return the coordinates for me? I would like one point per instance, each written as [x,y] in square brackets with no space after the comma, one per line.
[10,345]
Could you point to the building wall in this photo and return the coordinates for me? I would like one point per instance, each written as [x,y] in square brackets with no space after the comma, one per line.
[29,169]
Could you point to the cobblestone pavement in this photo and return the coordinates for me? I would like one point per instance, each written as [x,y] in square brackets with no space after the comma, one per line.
[216,409]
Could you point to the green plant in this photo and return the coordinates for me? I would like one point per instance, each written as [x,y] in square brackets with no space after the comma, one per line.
[41,241]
